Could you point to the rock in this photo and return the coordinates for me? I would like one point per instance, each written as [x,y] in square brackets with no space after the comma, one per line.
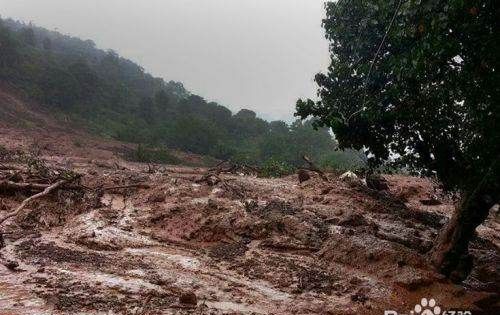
[188,298]
[348,176]
[359,297]
[376,182]
[12,265]
[303,176]
[371,257]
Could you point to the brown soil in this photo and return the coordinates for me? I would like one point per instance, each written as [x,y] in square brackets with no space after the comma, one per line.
[245,245]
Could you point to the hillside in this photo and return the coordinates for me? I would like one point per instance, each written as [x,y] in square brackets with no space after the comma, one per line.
[171,240]
[114,98]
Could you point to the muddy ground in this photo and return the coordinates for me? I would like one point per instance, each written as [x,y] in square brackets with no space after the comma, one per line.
[244,245]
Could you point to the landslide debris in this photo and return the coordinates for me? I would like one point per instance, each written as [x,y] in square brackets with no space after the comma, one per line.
[137,240]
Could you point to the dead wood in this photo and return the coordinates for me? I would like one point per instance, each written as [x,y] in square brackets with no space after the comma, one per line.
[47,191]
[314,168]
[9,185]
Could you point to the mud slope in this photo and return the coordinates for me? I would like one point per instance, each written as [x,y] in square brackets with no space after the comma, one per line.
[244,245]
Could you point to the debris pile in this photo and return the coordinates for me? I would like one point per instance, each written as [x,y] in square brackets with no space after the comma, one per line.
[174,240]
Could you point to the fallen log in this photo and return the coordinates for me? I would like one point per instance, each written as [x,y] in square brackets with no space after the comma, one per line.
[10,185]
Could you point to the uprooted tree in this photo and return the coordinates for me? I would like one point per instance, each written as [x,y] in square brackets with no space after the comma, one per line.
[420,80]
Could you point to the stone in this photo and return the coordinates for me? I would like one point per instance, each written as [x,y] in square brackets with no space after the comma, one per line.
[303,176]
[376,182]
[11,265]
[188,298]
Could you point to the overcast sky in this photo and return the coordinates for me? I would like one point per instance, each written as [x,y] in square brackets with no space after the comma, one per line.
[256,54]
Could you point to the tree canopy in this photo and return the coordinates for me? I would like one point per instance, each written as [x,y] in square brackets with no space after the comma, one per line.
[114,97]
[418,81]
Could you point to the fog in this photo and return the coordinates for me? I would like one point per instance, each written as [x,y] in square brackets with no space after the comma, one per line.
[256,54]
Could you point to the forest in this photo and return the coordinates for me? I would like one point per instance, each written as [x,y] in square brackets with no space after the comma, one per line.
[116,98]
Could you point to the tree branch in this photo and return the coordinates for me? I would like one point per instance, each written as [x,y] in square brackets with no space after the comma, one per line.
[374,60]
[47,191]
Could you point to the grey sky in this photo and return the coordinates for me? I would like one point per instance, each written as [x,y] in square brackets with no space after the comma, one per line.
[257,54]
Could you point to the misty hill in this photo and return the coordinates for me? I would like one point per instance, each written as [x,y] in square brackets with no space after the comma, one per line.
[114,97]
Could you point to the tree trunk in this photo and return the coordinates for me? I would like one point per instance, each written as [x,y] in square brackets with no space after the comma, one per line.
[451,252]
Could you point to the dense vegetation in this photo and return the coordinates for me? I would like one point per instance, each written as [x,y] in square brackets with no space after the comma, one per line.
[420,80]
[114,97]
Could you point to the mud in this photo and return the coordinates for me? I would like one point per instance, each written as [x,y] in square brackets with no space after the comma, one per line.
[244,245]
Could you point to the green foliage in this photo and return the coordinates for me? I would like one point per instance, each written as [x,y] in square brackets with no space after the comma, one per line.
[276,168]
[145,154]
[115,98]
[348,160]
[416,79]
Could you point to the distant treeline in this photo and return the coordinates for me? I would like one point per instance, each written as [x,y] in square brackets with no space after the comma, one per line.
[114,97]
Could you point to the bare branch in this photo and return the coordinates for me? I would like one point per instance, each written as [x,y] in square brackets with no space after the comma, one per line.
[47,191]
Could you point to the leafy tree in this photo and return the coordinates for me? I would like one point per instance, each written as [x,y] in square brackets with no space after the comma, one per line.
[162,100]
[9,52]
[88,80]
[420,79]
[275,168]
[47,44]
[28,36]
[60,88]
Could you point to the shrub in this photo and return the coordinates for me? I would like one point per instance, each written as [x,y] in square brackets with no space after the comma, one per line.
[348,160]
[275,168]
[144,154]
